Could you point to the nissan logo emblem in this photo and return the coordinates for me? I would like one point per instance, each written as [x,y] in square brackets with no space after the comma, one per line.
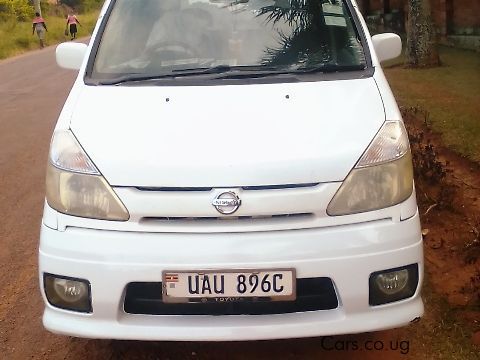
[227,202]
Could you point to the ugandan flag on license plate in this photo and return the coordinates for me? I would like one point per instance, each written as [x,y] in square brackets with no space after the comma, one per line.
[171,277]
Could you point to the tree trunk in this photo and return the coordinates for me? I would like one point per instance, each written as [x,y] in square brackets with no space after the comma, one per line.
[421,37]
[36,4]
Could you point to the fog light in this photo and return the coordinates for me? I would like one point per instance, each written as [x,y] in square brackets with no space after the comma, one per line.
[68,293]
[393,284]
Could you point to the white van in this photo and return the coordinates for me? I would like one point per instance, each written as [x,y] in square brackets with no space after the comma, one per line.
[229,170]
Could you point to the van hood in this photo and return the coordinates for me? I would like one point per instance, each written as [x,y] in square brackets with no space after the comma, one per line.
[227,136]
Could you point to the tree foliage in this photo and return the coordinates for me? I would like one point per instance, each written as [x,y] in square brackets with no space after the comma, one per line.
[82,5]
[310,42]
[20,9]
[23,10]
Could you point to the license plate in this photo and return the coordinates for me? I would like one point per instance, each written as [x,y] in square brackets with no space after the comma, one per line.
[226,285]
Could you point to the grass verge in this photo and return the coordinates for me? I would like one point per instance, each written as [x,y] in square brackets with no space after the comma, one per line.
[450,93]
[440,333]
[16,37]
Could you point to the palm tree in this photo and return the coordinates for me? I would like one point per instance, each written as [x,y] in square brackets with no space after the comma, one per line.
[308,43]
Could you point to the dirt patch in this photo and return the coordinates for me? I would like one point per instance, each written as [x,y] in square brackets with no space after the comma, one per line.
[448,194]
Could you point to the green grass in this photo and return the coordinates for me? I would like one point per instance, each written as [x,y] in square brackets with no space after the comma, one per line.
[450,93]
[441,333]
[16,37]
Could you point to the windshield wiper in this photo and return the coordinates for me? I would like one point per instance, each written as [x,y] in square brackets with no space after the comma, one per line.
[232,72]
[226,68]
[176,73]
[220,69]
[328,68]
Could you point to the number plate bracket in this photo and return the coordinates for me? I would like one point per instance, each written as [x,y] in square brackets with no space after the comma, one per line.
[211,286]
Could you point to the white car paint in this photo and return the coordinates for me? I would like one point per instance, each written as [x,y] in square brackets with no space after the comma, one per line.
[237,125]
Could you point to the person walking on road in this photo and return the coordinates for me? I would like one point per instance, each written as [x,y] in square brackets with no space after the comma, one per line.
[39,26]
[72,22]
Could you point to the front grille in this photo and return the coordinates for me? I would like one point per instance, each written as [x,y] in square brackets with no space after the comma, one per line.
[256,187]
[312,294]
[229,218]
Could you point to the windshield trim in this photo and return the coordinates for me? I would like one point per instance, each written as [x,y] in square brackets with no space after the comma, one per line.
[359,30]
[208,80]
[96,45]
[223,72]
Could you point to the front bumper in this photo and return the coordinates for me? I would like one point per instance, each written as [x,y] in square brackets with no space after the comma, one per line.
[346,254]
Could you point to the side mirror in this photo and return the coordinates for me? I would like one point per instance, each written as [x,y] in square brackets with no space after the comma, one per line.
[387,46]
[70,55]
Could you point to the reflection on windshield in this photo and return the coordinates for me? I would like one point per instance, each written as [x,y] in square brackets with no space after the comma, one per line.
[164,36]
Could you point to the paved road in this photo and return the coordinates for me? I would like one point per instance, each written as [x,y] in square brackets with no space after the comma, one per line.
[32,91]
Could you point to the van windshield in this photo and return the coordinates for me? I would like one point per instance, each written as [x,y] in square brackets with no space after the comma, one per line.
[162,37]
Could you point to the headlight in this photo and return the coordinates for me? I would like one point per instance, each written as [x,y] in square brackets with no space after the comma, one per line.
[75,186]
[383,176]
